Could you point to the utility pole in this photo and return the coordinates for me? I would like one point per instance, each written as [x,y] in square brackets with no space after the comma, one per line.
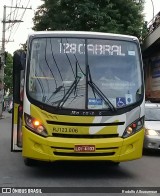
[2,53]
[2,63]
[152,9]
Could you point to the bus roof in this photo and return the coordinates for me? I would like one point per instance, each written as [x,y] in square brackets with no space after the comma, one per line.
[81,34]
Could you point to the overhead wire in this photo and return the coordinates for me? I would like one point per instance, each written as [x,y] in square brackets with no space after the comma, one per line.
[13,18]
[21,17]
[10,17]
[13,32]
[15,13]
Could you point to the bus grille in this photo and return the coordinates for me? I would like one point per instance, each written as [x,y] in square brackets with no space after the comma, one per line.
[84,136]
[83,154]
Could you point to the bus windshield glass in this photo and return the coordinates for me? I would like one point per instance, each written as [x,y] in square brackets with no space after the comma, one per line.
[83,73]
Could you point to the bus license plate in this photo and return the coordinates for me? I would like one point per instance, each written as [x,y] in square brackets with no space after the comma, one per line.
[84,148]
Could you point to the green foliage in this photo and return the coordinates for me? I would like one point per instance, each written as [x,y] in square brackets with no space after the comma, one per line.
[114,16]
[8,74]
[145,31]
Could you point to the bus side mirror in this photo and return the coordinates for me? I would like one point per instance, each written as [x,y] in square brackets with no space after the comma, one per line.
[19,60]
[19,64]
[23,60]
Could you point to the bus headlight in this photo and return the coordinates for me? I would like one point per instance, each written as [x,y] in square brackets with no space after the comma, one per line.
[133,128]
[35,125]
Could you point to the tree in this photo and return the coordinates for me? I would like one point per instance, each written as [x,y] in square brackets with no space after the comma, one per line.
[114,16]
[8,74]
[145,31]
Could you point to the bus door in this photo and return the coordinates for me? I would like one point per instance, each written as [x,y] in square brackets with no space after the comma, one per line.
[18,83]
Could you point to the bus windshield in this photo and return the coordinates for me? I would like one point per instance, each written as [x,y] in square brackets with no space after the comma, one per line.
[83,73]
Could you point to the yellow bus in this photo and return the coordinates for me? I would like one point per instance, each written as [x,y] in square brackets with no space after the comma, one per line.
[78,96]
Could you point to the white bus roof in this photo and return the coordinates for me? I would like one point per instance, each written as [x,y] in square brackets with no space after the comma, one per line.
[81,33]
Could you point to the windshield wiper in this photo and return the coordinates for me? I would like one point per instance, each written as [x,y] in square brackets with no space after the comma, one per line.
[71,88]
[55,92]
[69,91]
[99,92]
[94,87]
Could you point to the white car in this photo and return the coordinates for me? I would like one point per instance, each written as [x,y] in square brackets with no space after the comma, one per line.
[152,126]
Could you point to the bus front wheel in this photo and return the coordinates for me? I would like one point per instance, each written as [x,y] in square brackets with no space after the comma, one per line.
[115,163]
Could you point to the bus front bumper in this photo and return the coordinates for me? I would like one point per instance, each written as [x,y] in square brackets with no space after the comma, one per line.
[60,149]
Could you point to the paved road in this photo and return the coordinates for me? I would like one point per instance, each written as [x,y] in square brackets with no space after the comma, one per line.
[139,173]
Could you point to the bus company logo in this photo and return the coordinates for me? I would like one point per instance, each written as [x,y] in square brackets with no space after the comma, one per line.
[20,190]
[6,190]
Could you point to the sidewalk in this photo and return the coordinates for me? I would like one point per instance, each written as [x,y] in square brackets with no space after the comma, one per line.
[5,114]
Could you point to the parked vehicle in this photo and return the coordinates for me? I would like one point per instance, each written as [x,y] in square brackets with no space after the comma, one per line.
[152,126]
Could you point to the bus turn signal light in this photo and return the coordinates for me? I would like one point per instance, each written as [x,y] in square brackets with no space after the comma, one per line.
[35,125]
[134,127]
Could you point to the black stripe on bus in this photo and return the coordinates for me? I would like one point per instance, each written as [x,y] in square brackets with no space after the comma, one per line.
[84,136]
[84,124]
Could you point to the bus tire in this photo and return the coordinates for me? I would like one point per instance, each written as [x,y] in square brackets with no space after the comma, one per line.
[115,163]
[29,162]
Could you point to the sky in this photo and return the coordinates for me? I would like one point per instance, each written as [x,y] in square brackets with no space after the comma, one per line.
[17,34]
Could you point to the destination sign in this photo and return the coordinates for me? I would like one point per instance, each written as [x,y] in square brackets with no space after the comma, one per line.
[94,49]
